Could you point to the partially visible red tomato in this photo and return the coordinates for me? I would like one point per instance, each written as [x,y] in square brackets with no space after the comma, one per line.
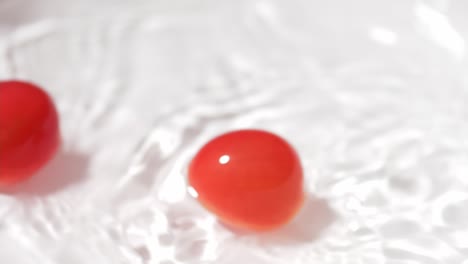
[29,130]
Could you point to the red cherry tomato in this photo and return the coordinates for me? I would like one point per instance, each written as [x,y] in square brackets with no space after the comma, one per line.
[250,179]
[29,131]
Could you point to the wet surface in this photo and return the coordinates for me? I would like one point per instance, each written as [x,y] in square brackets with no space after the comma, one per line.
[372,94]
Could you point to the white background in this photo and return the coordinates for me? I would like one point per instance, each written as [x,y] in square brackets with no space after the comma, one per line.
[372,94]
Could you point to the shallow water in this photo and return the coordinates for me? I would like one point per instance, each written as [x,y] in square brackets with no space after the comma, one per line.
[372,94]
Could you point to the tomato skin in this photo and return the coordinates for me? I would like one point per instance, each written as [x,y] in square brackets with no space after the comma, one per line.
[29,130]
[251,179]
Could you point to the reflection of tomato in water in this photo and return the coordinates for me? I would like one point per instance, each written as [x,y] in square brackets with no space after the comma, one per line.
[250,179]
[29,132]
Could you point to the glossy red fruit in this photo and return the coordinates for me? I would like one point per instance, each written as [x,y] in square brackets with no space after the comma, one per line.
[250,179]
[29,131]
